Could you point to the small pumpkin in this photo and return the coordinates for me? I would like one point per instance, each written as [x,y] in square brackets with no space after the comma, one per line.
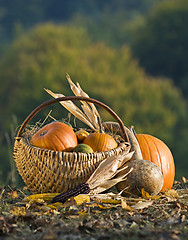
[84,148]
[55,136]
[100,142]
[156,151]
[81,135]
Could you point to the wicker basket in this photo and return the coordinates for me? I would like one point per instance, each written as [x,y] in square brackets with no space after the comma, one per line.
[45,170]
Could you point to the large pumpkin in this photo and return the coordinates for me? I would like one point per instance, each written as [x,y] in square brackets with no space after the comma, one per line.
[100,142]
[55,136]
[156,151]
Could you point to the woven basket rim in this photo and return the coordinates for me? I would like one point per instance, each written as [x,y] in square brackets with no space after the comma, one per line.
[76,98]
[52,152]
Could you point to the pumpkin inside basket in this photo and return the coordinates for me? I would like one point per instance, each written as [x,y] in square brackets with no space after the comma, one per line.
[45,170]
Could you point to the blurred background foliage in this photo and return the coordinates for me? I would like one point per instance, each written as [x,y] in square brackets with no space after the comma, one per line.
[129,54]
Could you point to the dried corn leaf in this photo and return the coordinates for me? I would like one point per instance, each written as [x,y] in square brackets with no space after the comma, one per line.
[72,108]
[103,186]
[90,116]
[88,108]
[103,177]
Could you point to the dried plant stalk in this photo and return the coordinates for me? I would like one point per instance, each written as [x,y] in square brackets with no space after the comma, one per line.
[103,178]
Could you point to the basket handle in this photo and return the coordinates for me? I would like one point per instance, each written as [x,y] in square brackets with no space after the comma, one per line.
[77,98]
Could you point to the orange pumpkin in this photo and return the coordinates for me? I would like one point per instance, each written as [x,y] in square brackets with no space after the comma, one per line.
[55,136]
[100,142]
[156,151]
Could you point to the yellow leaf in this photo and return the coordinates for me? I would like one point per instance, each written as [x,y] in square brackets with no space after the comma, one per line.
[18,211]
[55,206]
[125,206]
[103,207]
[110,201]
[146,195]
[94,205]
[82,212]
[13,194]
[82,198]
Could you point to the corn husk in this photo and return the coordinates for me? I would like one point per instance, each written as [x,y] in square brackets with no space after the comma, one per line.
[89,116]
[88,108]
[104,177]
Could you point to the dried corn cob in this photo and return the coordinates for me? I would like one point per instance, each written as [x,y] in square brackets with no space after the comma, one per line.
[82,188]
[103,178]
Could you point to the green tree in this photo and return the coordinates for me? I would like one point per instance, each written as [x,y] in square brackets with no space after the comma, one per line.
[110,21]
[17,16]
[160,43]
[41,59]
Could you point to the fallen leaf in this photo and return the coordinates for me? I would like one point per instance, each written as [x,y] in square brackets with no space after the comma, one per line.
[47,208]
[125,206]
[172,193]
[141,204]
[134,225]
[35,201]
[146,195]
[110,201]
[103,207]
[13,194]
[82,198]
[82,212]
[110,198]
[100,205]
[18,211]
[184,180]
[56,205]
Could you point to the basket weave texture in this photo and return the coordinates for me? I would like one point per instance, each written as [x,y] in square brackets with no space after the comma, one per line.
[49,171]
[45,170]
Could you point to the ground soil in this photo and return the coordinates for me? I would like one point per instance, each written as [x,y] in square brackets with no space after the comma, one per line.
[159,218]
